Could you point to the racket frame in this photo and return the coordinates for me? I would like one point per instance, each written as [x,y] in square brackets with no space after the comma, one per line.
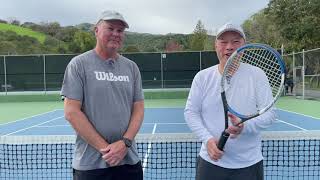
[225,135]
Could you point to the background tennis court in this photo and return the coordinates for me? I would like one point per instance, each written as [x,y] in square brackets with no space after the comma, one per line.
[166,147]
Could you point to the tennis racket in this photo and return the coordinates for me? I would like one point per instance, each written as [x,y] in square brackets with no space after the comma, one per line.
[260,60]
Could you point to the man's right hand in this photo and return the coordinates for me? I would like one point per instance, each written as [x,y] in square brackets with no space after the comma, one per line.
[213,151]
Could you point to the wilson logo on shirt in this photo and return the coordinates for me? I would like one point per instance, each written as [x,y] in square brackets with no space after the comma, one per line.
[102,76]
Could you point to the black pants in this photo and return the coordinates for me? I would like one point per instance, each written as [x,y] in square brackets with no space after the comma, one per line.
[208,171]
[124,172]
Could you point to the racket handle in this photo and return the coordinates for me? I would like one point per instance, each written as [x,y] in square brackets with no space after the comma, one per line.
[223,139]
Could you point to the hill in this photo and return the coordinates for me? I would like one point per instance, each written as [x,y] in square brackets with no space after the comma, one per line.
[51,38]
[23,31]
[156,43]
[146,42]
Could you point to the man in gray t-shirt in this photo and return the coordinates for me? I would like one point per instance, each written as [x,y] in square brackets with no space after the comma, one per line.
[104,103]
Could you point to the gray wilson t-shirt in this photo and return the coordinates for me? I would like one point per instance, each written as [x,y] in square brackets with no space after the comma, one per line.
[107,90]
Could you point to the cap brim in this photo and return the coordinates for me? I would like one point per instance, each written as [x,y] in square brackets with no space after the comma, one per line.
[231,30]
[124,22]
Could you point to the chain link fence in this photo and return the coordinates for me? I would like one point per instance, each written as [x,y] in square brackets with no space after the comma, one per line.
[303,74]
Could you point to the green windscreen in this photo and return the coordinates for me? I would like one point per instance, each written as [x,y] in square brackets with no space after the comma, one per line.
[25,73]
[150,68]
[55,68]
[180,68]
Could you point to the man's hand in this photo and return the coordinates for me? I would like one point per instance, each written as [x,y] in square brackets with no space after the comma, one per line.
[213,151]
[236,128]
[114,153]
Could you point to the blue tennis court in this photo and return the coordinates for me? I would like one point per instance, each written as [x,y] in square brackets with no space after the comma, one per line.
[164,158]
[156,120]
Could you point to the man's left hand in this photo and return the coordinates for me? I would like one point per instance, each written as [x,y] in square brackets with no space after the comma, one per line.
[114,153]
[235,129]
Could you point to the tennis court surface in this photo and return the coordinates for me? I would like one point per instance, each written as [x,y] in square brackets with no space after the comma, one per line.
[41,147]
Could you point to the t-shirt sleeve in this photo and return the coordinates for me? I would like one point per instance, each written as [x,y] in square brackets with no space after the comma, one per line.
[72,86]
[138,91]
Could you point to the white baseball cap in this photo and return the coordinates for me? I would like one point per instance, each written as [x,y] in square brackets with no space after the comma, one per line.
[112,15]
[230,27]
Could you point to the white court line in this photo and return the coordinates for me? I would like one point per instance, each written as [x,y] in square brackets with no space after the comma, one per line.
[33,126]
[292,125]
[54,126]
[164,123]
[299,114]
[28,117]
[145,159]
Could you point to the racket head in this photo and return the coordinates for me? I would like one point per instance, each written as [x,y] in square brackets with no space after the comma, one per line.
[260,59]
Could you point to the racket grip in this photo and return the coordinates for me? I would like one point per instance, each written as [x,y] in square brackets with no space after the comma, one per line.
[223,139]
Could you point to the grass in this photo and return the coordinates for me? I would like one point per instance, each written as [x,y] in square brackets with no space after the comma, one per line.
[29,98]
[23,31]
[307,107]
[19,110]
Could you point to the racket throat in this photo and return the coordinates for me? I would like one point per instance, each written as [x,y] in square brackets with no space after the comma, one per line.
[246,119]
[225,107]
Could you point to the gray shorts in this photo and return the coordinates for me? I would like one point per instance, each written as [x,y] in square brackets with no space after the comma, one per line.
[208,171]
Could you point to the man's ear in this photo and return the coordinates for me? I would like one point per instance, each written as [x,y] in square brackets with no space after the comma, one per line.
[95,30]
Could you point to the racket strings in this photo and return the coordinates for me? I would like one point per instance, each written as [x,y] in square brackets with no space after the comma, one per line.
[246,98]
[233,68]
[268,67]
[266,61]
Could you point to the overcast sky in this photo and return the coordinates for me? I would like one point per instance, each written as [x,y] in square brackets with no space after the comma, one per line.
[145,16]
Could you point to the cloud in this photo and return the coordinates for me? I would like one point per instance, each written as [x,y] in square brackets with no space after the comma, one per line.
[148,16]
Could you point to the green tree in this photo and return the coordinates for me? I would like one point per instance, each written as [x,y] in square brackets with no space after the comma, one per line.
[51,28]
[7,47]
[198,38]
[66,34]
[260,28]
[84,41]
[131,48]
[298,21]
[85,27]
[53,45]
[208,45]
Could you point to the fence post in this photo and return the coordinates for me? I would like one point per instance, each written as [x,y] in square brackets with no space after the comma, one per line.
[294,74]
[303,73]
[200,61]
[5,75]
[44,74]
[161,67]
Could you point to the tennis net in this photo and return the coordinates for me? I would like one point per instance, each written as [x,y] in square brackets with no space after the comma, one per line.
[287,156]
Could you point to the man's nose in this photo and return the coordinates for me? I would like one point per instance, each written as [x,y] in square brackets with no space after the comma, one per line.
[230,46]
